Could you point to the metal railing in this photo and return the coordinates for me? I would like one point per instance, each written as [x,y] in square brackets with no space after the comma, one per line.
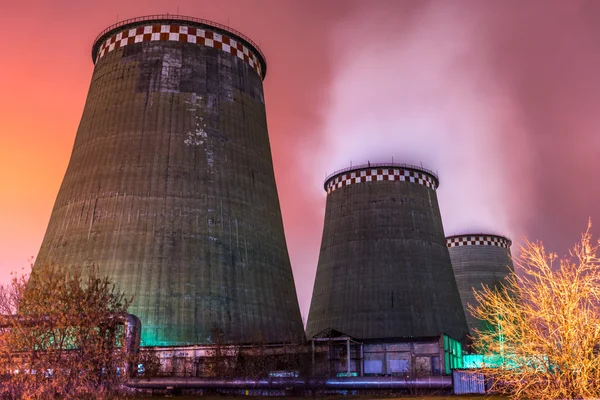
[486,233]
[381,165]
[157,17]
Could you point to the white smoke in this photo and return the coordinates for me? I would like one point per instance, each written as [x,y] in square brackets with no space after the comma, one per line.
[420,90]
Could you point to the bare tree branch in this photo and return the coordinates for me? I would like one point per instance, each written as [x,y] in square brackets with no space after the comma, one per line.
[544,334]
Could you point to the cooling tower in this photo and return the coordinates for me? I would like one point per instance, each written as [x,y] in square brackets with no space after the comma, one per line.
[476,260]
[170,189]
[384,269]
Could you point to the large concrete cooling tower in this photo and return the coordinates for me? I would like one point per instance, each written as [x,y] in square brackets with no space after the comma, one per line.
[478,260]
[384,269]
[170,188]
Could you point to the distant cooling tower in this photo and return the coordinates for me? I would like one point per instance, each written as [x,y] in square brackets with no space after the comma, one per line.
[170,188]
[476,260]
[384,269]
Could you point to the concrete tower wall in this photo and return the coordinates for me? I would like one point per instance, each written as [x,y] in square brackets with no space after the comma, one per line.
[384,269]
[170,188]
[478,260]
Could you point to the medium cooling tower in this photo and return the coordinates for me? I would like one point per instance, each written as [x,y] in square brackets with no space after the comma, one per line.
[384,269]
[476,260]
[170,188]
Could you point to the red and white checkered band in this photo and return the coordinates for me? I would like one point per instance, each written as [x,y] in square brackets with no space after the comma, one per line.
[379,174]
[180,33]
[478,241]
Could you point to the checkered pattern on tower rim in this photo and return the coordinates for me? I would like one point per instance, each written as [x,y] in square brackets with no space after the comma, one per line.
[478,241]
[181,33]
[380,174]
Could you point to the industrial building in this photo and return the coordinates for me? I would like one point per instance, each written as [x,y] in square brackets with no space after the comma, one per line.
[478,259]
[384,276]
[170,192]
[170,189]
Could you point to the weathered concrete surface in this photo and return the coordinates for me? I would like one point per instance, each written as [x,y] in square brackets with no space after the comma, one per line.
[384,269]
[170,191]
[477,265]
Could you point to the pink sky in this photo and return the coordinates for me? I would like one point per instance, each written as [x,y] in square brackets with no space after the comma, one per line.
[500,98]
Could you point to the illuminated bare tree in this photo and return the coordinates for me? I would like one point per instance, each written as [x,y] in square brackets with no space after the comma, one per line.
[61,341]
[544,325]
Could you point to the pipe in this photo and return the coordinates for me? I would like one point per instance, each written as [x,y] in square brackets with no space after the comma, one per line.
[362,360]
[348,357]
[133,327]
[131,323]
[377,382]
[390,382]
